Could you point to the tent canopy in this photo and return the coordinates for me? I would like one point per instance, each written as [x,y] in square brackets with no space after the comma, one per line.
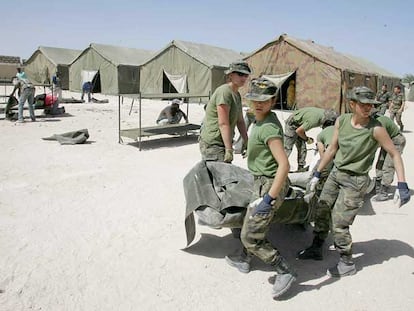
[46,61]
[200,66]
[323,76]
[118,67]
[280,79]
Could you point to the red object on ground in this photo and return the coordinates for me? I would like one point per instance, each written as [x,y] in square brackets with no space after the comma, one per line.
[50,99]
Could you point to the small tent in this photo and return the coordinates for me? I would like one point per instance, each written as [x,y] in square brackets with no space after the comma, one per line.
[8,67]
[186,67]
[323,76]
[46,61]
[115,69]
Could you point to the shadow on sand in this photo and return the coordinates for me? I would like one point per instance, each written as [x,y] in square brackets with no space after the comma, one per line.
[311,274]
[166,142]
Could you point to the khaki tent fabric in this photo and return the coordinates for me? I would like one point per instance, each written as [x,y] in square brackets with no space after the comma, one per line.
[323,76]
[203,66]
[118,67]
[45,61]
[8,66]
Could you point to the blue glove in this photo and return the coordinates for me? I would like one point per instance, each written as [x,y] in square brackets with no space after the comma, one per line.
[264,207]
[402,194]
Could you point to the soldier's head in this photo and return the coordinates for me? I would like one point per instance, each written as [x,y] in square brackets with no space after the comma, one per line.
[262,93]
[175,105]
[397,89]
[384,87]
[363,98]
[238,72]
[329,118]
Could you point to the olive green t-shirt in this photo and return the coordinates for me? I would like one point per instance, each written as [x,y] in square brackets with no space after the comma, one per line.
[309,117]
[357,146]
[260,160]
[325,136]
[389,125]
[223,95]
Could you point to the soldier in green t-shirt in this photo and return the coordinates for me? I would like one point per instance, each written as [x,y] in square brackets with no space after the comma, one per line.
[267,161]
[355,140]
[296,126]
[223,114]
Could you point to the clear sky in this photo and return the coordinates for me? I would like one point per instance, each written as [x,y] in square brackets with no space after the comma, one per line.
[377,30]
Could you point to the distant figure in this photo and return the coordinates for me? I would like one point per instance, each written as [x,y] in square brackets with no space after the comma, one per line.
[384,97]
[172,114]
[27,91]
[57,86]
[87,88]
[397,106]
[291,94]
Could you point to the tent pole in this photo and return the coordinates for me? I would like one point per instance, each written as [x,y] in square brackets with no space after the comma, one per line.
[132,105]
[119,119]
[140,110]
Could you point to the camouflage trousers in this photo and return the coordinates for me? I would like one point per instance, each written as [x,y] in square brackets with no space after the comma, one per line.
[291,138]
[397,116]
[211,152]
[341,198]
[255,228]
[385,169]
[383,108]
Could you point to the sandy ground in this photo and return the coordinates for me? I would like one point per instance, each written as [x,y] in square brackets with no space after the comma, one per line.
[100,226]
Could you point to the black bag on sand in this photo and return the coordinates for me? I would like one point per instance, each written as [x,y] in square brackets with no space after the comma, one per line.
[70,138]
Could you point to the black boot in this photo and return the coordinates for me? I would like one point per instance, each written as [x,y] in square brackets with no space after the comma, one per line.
[345,267]
[382,194]
[313,252]
[240,261]
[377,184]
[284,278]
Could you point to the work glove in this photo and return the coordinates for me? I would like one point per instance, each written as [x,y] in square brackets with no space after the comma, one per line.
[309,141]
[402,194]
[264,207]
[244,149]
[313,182]
[311,187]
[228,156]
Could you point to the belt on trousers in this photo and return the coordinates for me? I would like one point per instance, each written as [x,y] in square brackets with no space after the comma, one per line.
[351,173]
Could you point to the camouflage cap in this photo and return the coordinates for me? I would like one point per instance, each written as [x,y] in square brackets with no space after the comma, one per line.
[261,90]
[363,95]
[239,66]
[330,116]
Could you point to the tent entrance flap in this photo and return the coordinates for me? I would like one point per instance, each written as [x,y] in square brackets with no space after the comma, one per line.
[282,83]
[174,83]
[94,77]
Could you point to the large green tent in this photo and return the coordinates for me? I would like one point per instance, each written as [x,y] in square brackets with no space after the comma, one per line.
[112,69]
[186,67]
[46,61]
[323,76]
